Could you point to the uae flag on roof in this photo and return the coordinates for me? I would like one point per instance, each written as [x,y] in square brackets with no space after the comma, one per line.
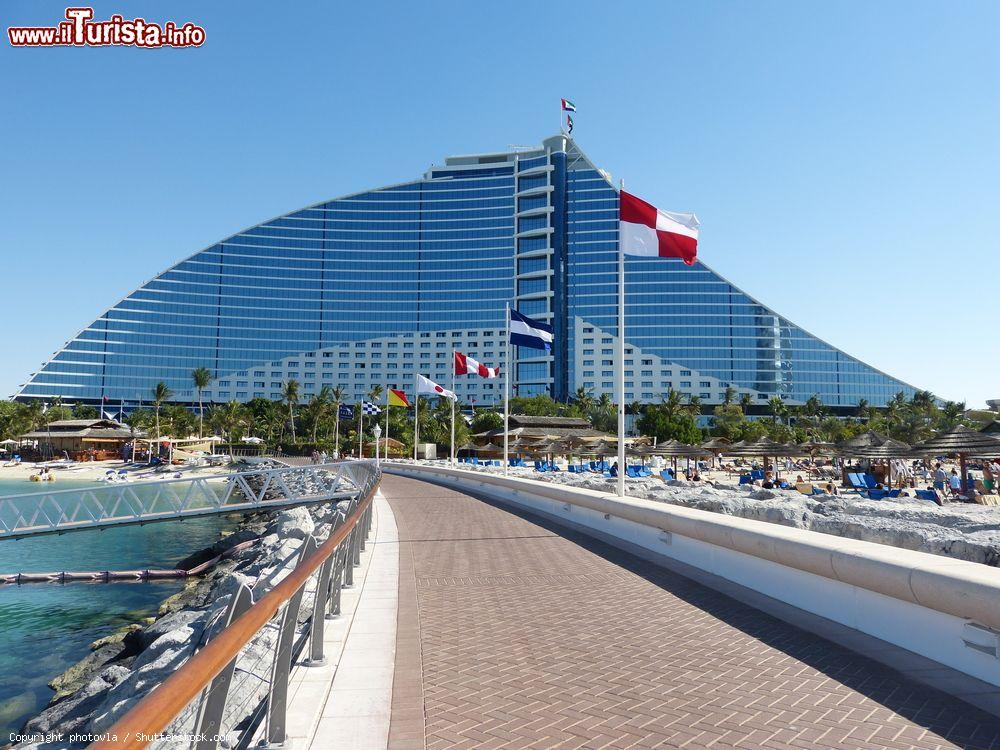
[465,365]
[645,230]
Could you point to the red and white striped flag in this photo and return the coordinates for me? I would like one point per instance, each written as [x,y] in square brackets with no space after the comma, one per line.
[467,365]
[647,231]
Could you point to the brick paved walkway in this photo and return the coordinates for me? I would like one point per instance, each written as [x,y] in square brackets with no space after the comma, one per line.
[514,634]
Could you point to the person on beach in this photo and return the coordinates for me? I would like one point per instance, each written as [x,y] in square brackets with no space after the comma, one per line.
[830,489]
[955,482]
[939,478]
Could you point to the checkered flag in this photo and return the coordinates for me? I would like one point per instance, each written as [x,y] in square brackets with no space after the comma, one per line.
[370,409]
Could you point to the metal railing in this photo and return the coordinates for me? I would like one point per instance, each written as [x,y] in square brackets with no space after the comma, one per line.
[138,502]
[236,685]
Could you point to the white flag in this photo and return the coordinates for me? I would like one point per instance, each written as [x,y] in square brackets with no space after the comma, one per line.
[426,386]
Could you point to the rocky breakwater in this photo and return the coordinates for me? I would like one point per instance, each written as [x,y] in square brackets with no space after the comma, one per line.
[961,530]
[964,531]
[123,668]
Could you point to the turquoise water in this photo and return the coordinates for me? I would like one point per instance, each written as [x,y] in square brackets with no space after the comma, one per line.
[46,627]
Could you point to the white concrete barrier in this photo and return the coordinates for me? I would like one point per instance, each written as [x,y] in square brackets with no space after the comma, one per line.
[943,609]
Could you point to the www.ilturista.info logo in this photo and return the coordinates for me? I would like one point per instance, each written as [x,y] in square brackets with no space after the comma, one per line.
[80,30]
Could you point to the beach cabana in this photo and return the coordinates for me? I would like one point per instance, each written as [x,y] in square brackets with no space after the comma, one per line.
[963,442]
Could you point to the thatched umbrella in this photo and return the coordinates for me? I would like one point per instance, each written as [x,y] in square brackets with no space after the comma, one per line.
[716,444]
[963,441]
[813,447]
[763,447]
[869,439]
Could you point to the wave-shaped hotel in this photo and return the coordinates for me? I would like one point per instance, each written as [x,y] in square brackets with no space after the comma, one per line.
[366,289]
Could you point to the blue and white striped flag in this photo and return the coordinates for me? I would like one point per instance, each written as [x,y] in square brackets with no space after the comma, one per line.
[530,333]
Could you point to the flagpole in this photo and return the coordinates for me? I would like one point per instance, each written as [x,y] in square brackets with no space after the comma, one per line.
[620,384]
[387,407]
[453,407]
[506,394]
[361,430]
[416,413]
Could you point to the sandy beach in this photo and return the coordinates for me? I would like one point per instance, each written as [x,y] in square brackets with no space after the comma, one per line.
[96,471]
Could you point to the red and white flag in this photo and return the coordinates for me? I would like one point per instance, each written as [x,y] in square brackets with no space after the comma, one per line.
[467,365]
[428,387]
[647,231]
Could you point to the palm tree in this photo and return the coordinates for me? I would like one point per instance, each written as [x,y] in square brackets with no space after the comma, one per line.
[863,410]
[603,414]
[202,378]
[729,396]
[951,414]
[317,409]
[161,394]
[923,401]
[228,419]
[745,400]
[290,395]
[672,404]
[337,398]
[584,398]
[693,406]
[778,408]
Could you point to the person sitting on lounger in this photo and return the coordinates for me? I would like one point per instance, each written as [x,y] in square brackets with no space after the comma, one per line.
[830,489]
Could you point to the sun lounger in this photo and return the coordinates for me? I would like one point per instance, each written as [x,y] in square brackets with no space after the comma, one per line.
[746,479]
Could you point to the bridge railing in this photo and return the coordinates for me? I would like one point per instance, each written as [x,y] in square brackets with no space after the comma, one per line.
[139,501]
[236,685]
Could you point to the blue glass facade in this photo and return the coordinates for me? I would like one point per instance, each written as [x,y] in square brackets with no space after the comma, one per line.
[369,288]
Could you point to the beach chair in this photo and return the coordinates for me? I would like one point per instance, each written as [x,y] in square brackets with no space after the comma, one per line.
[666,476]
[645,472]
[539,466]
[630,471]
[757,474]
[805,488]
[746,479]
[858,483]
[894,493]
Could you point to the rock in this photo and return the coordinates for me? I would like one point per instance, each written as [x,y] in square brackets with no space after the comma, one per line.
[191,618]
[762,495]
[72,714]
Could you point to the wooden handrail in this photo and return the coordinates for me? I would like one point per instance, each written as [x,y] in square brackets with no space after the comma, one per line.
[153,714]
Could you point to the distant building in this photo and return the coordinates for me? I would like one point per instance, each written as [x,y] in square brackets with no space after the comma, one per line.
[78,436]
[369,288]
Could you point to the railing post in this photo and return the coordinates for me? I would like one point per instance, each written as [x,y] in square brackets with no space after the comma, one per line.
[318,622]
[358,542]
[338,580]
[349,559]
[277,699]
[209,722]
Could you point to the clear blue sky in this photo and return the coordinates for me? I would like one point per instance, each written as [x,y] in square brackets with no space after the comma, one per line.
[843,157]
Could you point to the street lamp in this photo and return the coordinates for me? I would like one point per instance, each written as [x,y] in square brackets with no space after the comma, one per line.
[377,432]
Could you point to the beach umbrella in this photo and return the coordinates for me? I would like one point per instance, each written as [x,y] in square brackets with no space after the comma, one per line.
[867,439]
[716,445]
[962,441]
[488,448]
